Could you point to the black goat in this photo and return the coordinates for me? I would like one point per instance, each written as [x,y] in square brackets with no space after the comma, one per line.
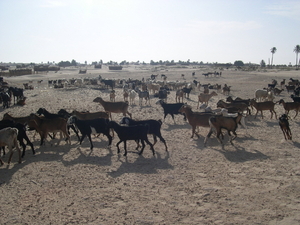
[64,113]
[285,127]
[138,132]
[110,83]
[87,127]
[163,93]
[154,128]
[21,134]
[49,115]
[171,108]
[5,99]
[17,93]
[295,98]
[187,91]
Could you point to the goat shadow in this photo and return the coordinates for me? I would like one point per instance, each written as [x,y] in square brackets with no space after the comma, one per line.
[89,158]
[12,106]
[45,154]
[240,154]
[142,165]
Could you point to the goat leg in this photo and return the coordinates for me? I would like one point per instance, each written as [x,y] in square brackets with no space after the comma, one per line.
[137,144]
[118,146]
[208,136]
[125,154]
[143,146]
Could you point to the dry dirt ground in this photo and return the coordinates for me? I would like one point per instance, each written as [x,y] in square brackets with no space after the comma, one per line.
[255,181]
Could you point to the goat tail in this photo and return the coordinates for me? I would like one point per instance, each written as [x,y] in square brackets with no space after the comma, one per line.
[160,122]
[212,121]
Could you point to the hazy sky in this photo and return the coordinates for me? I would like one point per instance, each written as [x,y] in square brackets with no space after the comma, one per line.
[90,30]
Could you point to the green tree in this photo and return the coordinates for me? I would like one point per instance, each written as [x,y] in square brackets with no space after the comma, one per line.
[273,50]
[262,63]
[73,62]
[238,63]
[297,50]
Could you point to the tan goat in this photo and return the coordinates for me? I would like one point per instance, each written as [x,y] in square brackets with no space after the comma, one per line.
[179,95]
[8,137]
[204,98]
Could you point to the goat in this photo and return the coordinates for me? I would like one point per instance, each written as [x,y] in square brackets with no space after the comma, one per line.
[187,91]
[217,123]
[195,119]
[277,91]
[260,106]
[240,106]
[238,100]
[5,99]
[170,108]
[290,88]
[295,98]
[282,83]
[112,96]
[89,115]
[290,106]
[113,107]
[44,126]
[285,127]
[8,137]
[21,136]
[17,93]
[204,98]
[125,96]
[22,120]
[261,95]
[226,89]
[107,83]
[49,115]
[179,95]
[87,127]
[132,95]
[138,132]
[154,128]
[145,95]
[163,93]
[224,112]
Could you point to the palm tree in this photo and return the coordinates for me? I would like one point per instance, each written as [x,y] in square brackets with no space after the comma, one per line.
[297,50]
[273,50]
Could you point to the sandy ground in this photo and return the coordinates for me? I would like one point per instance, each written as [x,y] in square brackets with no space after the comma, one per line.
[255,181]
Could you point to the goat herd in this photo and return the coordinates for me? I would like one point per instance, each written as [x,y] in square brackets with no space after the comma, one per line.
[227,116]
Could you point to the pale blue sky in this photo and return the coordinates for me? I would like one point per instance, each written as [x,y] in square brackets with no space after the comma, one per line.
[90,30]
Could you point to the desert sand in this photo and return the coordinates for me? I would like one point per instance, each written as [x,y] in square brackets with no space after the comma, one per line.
[254,181]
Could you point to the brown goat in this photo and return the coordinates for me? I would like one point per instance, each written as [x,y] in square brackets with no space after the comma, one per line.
[90,115]
[195,118]
[260,106]
[114,107]
[179,95]
[217,123]
[285,127]
[44,126]
[290,106]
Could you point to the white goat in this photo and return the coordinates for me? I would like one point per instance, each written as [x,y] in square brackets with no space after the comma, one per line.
[8,137]
[132,95]
[262,95]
